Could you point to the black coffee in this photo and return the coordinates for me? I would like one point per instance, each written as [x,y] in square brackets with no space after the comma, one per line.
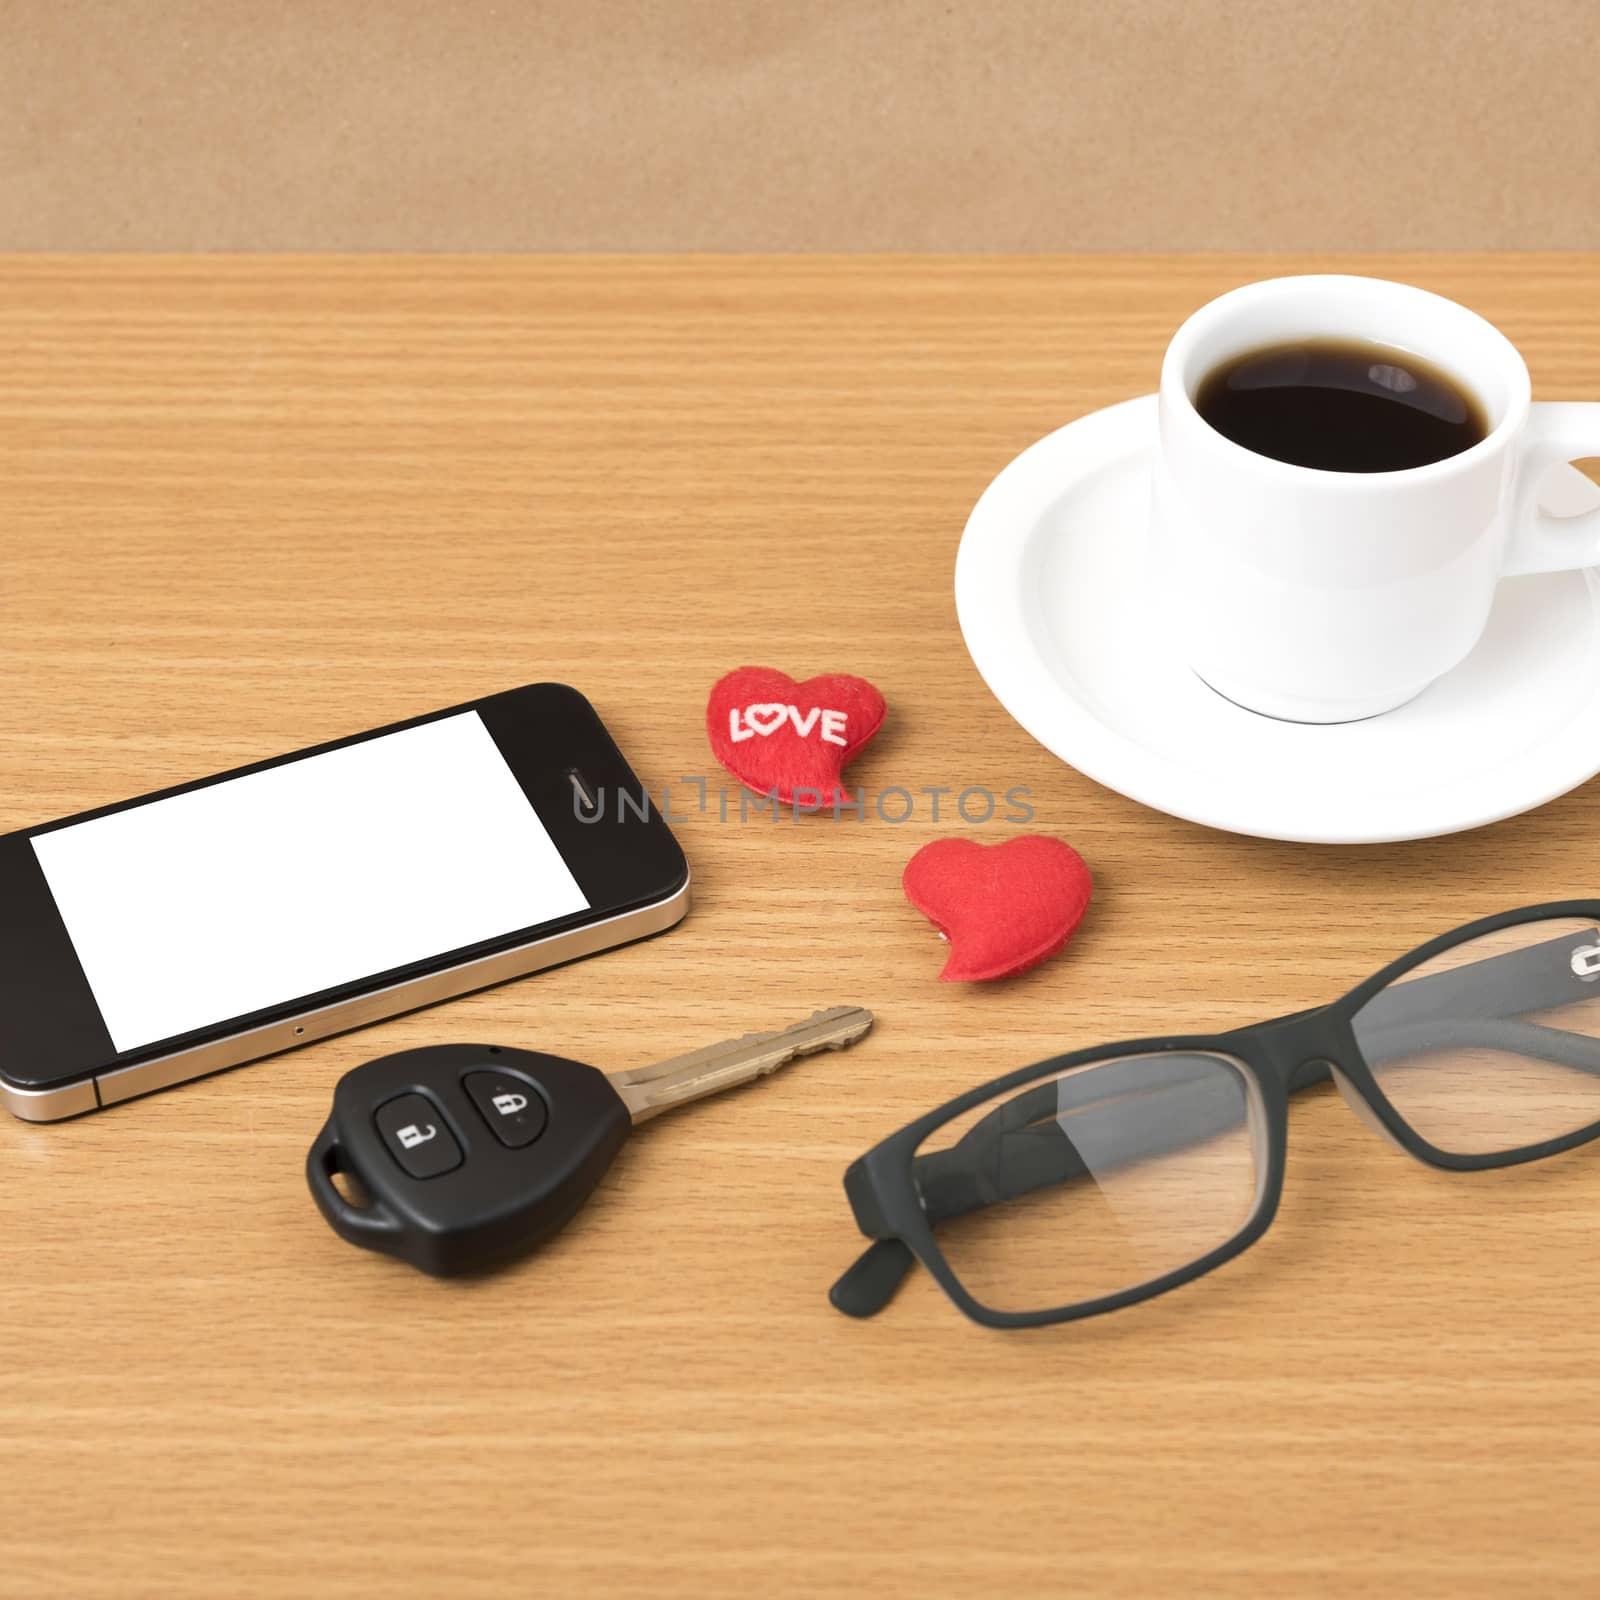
[1342,405]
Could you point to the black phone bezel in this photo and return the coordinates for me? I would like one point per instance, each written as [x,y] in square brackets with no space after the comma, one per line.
[51,1031]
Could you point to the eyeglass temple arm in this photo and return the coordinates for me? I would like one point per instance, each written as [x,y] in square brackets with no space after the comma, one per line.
[990,1164]
[1397,1040]
[1539,978]
[868,1284]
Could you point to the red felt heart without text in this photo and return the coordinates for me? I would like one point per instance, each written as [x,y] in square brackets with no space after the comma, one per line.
[1004,907]
[772,733]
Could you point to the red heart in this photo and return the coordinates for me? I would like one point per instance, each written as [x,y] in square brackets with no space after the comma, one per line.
[1004,907]
[773,733]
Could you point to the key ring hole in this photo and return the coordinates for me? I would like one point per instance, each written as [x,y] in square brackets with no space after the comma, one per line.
[347,1185]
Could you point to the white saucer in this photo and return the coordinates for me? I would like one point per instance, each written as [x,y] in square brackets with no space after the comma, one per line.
[1056,610]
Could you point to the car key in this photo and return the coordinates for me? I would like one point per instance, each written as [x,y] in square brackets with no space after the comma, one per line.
[469,1156]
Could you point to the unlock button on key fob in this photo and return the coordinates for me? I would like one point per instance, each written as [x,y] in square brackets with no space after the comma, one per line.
[513,1108]
[414,1130]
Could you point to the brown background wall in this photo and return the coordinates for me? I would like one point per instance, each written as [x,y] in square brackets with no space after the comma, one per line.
[813,124]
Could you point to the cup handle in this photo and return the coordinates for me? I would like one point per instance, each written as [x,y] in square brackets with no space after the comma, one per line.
[1558,431]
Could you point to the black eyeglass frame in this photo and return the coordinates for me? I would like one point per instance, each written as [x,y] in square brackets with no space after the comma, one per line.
[1280,1056]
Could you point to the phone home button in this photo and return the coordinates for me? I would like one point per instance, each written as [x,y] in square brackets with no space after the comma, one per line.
[414,1130]
[512,1106]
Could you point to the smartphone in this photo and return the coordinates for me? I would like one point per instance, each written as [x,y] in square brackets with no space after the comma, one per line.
[212,924]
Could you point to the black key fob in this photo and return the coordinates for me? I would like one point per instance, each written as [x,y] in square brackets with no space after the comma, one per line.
[469,1155]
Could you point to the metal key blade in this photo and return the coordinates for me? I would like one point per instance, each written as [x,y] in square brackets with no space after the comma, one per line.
[648,1091]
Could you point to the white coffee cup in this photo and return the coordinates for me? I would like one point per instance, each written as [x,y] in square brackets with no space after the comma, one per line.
[1328,596]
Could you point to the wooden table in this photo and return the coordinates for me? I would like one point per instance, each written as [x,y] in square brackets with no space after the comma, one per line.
[248,505]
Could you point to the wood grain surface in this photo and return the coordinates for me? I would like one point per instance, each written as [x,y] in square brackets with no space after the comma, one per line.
[248,505]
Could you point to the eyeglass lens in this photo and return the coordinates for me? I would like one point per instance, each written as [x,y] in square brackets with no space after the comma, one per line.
[1494,1045]
[1094,1181]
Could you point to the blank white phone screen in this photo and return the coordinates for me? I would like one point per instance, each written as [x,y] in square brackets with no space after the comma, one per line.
[190,911]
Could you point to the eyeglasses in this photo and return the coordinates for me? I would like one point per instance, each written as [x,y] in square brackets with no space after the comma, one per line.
[1103,1177]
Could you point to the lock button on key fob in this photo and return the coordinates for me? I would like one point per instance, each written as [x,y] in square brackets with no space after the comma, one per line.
[512,1107]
